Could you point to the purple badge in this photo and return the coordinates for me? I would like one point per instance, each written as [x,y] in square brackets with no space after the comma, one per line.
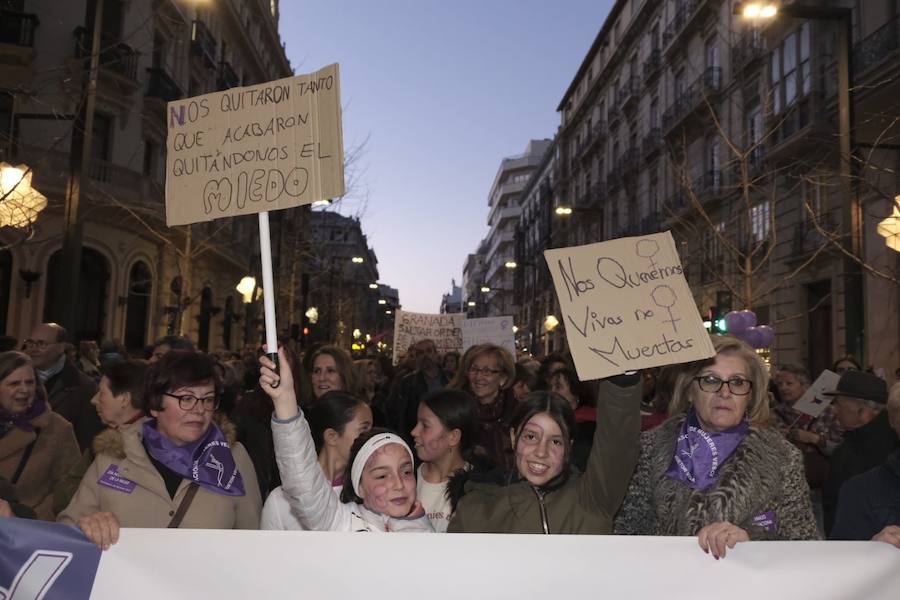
[113,480]
[766,520]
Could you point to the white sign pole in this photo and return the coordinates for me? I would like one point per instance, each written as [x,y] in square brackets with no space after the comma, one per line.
[265,254]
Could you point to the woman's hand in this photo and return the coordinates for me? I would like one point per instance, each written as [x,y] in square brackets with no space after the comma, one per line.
[283,396]
[718,537]
[889,535]
[102,528]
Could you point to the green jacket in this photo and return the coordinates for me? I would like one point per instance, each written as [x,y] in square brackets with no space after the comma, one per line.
[586,503]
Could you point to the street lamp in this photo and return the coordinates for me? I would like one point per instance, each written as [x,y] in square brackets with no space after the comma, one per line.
[246,287]
[19,202]
[511,264]
[471,303]
[312,314]
[550,323]
[357,334]
[382,301]
[563,211]
[485,289]
[890,228]
[357,260]
[756,10]
[373,286]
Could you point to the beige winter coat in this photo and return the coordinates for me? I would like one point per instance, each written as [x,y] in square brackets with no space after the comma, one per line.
[53,455]
[149,504]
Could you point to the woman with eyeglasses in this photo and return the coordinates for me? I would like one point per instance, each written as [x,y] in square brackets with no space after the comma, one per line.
[716,469]
[487,372]
[181,468]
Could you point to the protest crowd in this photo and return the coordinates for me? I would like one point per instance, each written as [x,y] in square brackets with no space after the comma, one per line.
[478,441]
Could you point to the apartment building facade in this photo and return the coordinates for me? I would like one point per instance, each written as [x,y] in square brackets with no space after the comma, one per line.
[139,279]
[686,117]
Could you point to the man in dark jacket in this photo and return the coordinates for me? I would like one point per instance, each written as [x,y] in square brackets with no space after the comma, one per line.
[868,437]
[403,405]
[69,391]
[870,503]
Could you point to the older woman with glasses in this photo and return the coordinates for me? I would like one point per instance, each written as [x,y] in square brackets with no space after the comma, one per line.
[179,468]
[487,372]
[716,469]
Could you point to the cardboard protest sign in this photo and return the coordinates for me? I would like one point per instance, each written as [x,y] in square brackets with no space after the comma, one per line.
[814,401]
[410,327]
[626,305]
[257,148]
[490,330]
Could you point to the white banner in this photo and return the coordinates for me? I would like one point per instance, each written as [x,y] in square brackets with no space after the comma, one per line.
[489,330]
[151,564]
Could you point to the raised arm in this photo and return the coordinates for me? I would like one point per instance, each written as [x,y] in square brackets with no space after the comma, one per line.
[615,450]
[302,480]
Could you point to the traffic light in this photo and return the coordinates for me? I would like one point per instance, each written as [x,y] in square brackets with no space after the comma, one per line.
[715,320]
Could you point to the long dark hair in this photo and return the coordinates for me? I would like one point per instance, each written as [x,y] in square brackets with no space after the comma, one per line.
[333,410]
[456,409]
[558,409]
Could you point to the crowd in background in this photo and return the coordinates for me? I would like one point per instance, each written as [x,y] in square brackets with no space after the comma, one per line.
[480,441]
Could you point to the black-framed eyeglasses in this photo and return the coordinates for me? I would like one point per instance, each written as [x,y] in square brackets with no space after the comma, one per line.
[189,401]
[736,385]
[39,344]
[483,371]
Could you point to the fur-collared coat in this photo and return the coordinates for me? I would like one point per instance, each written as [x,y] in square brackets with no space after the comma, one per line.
[148,504]
[762,478]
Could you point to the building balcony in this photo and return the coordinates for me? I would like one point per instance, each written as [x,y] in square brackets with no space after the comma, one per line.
[790,129]
[594,140]
[614,112]
[203,44]
[709,184]
[17,28]
[498,239]
[877,48]
[498,216]
[748,50]
[592,198]
[628,94]
[706,87]
[160,85]
[117,59]
[651,144]
[630,161]
[685,21]
[227,78]
[614,178]
[653,65]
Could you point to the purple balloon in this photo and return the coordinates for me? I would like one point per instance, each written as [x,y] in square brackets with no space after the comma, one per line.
[753,337]
[734,323]
[768,335]
[749,318]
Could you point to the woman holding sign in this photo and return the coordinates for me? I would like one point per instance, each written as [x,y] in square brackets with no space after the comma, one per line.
[177,469]
[716,469]
[379,492]
[544,494]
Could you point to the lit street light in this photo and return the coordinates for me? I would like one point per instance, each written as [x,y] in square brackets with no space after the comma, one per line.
[246,287]
[890,228]
[471,303]
[511,264]
[19,202]
[563,210]
[382,301]
[357,260]
[373,286]
[485,289]
[757,10]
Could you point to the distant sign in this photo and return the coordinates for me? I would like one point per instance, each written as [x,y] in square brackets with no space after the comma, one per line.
[410,327]
[251,149]
[490,330]
[626,305]
[814,401]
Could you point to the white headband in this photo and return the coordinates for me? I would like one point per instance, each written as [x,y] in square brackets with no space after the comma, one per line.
[368,449]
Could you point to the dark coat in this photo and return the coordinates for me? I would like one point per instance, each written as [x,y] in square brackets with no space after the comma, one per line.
[869,502]
[863,449]
[763,475]
[584,503]
[8,494]
[69,393]
[403,404]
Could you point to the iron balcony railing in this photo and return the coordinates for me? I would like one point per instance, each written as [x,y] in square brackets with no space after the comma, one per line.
[749,47]
[652,64]
[161,85]
[651,143]
[879,46]
[203,44]
[115,55]
[707,85]
[227,77]
[629,92]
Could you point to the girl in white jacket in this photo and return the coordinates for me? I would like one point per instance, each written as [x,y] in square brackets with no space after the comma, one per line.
[380,483]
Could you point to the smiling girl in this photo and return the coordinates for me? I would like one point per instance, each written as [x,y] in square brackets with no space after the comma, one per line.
[379,492]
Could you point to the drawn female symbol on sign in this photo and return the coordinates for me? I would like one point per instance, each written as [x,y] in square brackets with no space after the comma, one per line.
[647,249]
[664,297]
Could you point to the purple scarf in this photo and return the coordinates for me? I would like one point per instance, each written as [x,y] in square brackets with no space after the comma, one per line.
[699,455]
[23,419]
[207,462]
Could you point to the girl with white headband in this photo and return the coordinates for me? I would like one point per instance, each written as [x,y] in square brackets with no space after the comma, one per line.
[380,484]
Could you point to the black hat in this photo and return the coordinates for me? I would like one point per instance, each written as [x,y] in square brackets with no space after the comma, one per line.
[862,385]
